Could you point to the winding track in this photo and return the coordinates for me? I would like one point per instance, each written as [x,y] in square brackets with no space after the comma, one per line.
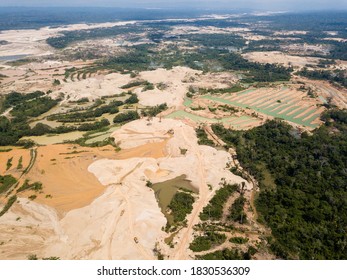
[181,251]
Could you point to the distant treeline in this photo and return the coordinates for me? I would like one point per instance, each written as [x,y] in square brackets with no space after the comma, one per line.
[143,57]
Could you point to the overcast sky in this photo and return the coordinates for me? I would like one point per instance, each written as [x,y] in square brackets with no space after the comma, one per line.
[251,4]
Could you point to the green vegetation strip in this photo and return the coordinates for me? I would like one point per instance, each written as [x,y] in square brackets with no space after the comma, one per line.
[236,211]
[229,254]
[6,182]
[207,241]
[8,205]
[37,186]
[214,210]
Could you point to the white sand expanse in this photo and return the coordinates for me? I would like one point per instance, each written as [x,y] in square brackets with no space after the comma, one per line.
[280,58]
[178,80]
[32,41]
[95,87]
[175,92]
[127,211]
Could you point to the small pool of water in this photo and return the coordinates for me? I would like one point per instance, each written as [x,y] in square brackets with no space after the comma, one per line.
[165,191]
[12,57]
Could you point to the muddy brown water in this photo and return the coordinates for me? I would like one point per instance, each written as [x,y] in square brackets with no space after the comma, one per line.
[165,191]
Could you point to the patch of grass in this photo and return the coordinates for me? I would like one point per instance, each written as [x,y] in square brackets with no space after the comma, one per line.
[126,117]
[237,213]
[148,86]
[238,240]
[133,84]
[20,163]
[32,197]
[181,205]
[229,254]
[183,151]
[207,241]
[149,184]
[51,258]
[214,210]
[32,257]
[6,182]
[153,111]
[9,163]
[202,137]
[133,99]
[37,186]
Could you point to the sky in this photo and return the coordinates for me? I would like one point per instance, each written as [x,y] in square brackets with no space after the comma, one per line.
[291,5]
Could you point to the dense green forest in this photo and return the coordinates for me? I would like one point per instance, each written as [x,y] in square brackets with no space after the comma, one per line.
[303,182]
[146,57]
[15,98]
[88,115]
[216,40]
[34,107]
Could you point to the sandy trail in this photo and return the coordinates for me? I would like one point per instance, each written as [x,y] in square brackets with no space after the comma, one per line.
[182,251]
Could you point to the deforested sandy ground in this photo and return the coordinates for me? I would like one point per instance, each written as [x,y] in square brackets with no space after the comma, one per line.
[280,58]
[113,215]
[15,154]
[202,165]
[177,82]
[95,87]
[62,169]
[335,95]
[33,76]
[25,229]
[32,41]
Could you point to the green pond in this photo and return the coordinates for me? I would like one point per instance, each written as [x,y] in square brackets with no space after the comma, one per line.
[187,102]
[183,114]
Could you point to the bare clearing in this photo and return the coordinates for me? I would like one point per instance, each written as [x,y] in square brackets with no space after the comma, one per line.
[123,209]
[281,58]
